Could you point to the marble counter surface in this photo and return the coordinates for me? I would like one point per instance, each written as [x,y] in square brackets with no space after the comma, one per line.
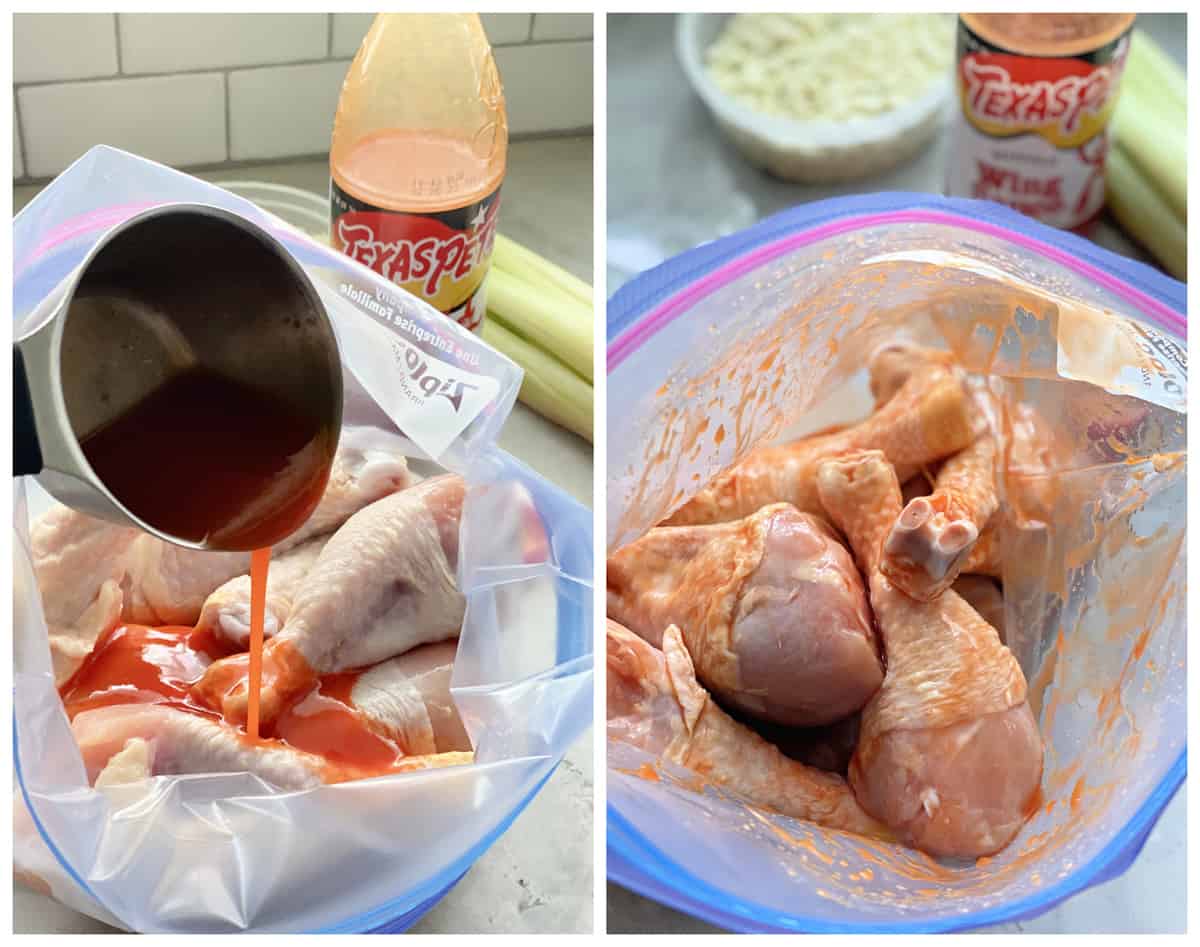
[674,182]
[532,880]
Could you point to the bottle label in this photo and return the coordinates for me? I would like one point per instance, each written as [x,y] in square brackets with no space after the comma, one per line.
[1032,131]
[441,257]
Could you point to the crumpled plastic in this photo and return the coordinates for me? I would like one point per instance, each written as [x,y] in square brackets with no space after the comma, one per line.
[228,852]
[721,354]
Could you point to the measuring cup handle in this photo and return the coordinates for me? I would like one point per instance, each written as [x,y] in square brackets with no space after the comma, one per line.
[27,453]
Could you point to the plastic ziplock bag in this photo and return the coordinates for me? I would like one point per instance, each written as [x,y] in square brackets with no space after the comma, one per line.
[228,852]
[758,330]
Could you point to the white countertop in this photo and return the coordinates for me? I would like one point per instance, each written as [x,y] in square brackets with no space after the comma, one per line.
[531,880]
[674,182]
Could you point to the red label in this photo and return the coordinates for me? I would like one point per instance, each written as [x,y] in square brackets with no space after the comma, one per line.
[1035,196]
[441,258]
[1022,93]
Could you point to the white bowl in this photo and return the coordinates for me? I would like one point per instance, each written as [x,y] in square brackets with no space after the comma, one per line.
[816,152]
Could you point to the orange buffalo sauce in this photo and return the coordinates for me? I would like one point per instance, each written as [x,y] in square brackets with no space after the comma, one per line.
[326,723]
[133,664]
[260,561]
[283,458]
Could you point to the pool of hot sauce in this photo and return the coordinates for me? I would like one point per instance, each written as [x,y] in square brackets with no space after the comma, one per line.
[136,664]
[133,664]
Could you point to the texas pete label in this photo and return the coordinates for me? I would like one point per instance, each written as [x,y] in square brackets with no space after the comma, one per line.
[1032,131]
[441,258]
[1066,101]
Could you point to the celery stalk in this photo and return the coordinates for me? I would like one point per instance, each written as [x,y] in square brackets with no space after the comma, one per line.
[549,387]
[1144,213]
[1150,121]
[1146,173]
[549,319]
[1155,74]
[1157,146]
[511,256]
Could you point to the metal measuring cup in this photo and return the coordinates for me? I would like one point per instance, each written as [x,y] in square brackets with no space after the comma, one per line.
[177,288]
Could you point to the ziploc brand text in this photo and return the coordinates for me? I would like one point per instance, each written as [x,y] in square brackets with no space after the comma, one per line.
[388,310]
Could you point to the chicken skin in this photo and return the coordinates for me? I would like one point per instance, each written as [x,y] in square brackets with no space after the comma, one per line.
[927,419]
[124,743]
[398,714]
[933,536]
[890,366]
[383,584]
[983,593]
[949,754]
[226,611]
[656,705]
[771,608]
[407,699]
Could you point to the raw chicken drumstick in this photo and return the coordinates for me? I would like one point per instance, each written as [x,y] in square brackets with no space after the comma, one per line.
[123,743]
[407,699]
[226,611]
[772,610]
[949,754]
[986,557]
[1023,442]
[1029,486]
[966,482]
[889,368]
[127,742]
[892,365]
[932,538]
[656,705]
[983,593]
[93,574]
[384,583]
[507,511]
[926,420]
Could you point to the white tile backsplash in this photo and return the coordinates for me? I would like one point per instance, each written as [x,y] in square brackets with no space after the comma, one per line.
[281,111]
[535,101]
[178,120]
[562,26]
[505,28]
[169,85]
[174,42]
[54,46]
[18,167]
